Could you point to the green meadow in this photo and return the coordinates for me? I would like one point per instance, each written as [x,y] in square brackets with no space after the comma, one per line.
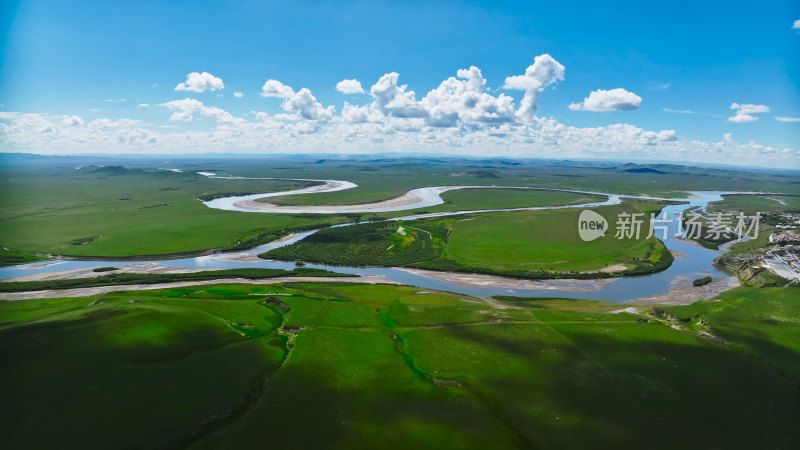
[66,206]
[114,211]
[470,199]
[534,244]
[354,366]
[757,203]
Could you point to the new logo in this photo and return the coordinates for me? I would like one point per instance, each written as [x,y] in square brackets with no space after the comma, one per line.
[591,225]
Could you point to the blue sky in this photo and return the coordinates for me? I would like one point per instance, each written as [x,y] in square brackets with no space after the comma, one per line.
[99,61]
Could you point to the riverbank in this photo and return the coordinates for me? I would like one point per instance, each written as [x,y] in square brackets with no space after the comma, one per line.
[480,280]
[86,292]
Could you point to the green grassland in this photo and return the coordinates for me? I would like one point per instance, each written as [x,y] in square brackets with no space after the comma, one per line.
[345,366]
[480,199]
[532,244]
[756,203]
[121,210]
[118,212]
[761,323]
[385,178]
[471,199]
[10,257]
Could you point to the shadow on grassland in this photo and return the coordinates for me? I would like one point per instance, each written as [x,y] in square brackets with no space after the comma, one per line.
[71,384]
[596,387]
[331,399]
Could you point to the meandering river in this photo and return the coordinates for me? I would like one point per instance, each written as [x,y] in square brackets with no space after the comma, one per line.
[691,263]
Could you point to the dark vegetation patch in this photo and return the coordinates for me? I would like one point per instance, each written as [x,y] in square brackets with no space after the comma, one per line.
[11,257]
[84,241]
[273,301]
[370,242]
[701,281]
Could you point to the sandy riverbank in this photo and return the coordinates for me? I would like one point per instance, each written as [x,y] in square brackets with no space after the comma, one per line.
[88,272]
[470,279]
[682,292]
[409,198]
[86,292]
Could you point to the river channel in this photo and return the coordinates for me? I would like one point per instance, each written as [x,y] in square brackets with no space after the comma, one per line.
[691,262]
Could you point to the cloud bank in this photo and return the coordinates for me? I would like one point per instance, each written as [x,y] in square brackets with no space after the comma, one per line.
[459,116]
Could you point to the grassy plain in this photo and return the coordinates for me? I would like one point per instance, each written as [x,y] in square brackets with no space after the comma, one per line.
[113,212]
[338,366]
[11,257]
[49,206]
[533,244]
[757,203]
[469,199]
[385,178]
[760,323]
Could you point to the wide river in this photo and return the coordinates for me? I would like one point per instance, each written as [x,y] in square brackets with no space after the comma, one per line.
[691,263]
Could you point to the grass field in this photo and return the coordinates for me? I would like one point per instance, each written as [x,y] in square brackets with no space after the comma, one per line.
[757,203]
[533,244]
[11,257]
[760,323]
[49,206]
[337,365]
[385,178]
[119,212]
[468,199]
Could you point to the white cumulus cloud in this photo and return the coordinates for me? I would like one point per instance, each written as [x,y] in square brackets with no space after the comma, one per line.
[796,25]
[745,111]
[349,87]
[463,98]
[355,113]
[200,82]
[274,88]
[301,105]
[787,119]
[608,100]
[185,109]
[394,100]
[742,118]
[238,94]
[304,105]
[538,76]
